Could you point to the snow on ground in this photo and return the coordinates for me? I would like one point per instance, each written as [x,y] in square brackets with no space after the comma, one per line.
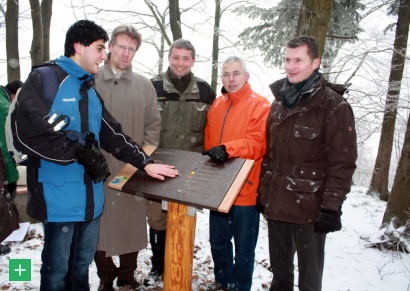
[349,265]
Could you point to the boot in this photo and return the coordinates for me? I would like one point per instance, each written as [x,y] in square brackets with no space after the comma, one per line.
[157,241]
[4,250]
[128,265]
[107,271]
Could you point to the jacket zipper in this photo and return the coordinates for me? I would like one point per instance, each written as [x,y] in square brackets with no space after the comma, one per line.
[224,121]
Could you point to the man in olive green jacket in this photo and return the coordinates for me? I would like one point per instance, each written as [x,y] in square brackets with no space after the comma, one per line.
[183,101]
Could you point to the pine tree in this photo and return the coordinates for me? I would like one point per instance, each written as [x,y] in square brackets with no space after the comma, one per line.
[276,25]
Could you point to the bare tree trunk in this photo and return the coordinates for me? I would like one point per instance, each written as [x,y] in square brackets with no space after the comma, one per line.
[160,19]
[36,50]
[398,206]
[313,20]
[215,45]
[380,177]
[12,48]
[161,49]
[175,19]
[46,12]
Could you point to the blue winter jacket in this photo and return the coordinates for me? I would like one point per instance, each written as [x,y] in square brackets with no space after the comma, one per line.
[56,182]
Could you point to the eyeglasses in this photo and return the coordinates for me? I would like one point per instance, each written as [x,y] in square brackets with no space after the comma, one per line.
[123,48]
[233,75]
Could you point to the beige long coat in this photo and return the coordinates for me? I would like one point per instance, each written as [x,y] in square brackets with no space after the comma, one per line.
[132,100]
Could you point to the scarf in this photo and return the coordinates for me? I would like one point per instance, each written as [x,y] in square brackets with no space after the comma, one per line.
[293,93]
[180,84]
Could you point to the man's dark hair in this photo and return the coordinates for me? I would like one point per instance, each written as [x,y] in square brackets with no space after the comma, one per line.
[310,42]
[182,44]
[14,86]
[84,32]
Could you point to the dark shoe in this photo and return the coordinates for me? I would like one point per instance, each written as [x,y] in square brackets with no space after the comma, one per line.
[105,286]
[153,278]
[128,285]
[218,286]
[4,250]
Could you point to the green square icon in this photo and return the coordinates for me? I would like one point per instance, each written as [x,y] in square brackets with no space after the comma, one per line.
[20,270]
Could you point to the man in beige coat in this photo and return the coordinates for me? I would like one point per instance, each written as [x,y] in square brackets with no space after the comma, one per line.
[132,100]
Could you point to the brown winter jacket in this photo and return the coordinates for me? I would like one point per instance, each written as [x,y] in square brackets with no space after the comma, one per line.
[310,155]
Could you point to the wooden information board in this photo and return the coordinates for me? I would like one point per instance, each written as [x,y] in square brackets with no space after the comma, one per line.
[202,182]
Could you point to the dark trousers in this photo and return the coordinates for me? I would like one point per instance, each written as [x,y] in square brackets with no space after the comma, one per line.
[284,240]
[242,225]
[68,251]
[11,187]
[107,271]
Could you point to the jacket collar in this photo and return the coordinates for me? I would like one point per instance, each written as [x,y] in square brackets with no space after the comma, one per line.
[180,84]
[108,73]
[237,96]
[73,69]
[6,94]
[317,96]
[168,86]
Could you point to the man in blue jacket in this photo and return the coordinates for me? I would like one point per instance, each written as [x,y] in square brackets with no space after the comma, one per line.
[65,168]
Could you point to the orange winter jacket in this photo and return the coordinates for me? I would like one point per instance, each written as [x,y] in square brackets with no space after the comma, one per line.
[238,121]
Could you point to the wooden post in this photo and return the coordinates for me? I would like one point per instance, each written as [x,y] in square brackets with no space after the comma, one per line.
[179,248]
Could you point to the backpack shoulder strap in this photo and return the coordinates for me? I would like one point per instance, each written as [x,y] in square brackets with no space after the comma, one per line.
[50,83]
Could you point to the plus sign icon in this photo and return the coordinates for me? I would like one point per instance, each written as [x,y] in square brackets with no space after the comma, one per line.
[20,270]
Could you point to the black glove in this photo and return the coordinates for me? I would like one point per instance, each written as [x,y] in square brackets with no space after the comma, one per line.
[217,153]
[94,162]
[328,221]
[80,137]
[259,205]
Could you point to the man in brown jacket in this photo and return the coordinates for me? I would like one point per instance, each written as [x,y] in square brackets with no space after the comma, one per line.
[132,100]
[308,166]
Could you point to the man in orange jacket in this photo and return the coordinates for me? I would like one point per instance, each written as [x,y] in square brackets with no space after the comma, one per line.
[236,127]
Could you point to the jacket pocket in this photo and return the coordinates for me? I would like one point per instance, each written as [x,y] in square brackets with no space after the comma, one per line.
[264,186]
[302,185]
[163,107]
[306,195]
[58,175]
[264,182]
[306,139]
[198,113]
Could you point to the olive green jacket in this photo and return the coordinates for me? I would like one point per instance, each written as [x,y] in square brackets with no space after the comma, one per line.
[183,116]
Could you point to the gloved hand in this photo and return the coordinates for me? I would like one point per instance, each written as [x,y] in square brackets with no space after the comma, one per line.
[80,137]
[259,205]
[94,162]
[328,221]
[217,153]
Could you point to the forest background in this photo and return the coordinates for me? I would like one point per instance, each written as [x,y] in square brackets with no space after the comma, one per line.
[360,42]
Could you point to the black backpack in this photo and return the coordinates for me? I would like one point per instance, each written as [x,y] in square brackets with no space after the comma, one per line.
[51,83]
